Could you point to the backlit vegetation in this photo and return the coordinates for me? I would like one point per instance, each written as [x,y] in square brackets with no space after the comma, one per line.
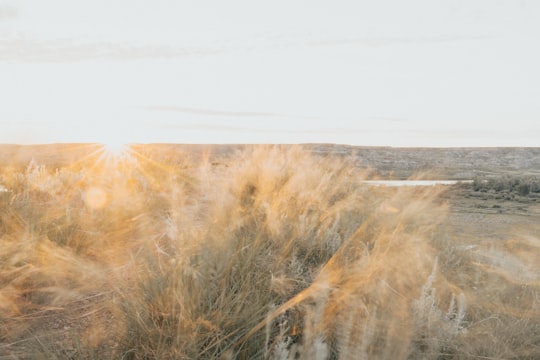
[274,254]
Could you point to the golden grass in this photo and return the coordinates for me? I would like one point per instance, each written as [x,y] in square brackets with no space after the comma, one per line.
[276,254]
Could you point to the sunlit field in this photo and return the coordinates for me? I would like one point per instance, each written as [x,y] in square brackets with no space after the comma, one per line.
[271,252]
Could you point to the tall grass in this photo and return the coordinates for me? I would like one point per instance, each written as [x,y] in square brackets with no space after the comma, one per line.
[273,254]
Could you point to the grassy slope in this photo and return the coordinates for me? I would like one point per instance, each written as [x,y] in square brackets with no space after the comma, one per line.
[273,254]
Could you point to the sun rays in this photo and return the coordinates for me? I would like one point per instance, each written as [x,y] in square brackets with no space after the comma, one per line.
[115,150]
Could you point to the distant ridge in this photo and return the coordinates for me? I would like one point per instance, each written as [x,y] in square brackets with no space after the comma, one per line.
[456,163]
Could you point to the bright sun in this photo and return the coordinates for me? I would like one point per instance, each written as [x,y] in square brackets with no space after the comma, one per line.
[115,149]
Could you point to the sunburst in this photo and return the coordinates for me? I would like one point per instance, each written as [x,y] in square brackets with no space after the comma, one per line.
[115,149]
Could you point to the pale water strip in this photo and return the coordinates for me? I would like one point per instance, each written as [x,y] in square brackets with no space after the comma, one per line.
[415,182]
[382,183]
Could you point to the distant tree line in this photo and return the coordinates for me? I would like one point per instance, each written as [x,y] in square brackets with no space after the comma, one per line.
[521,185]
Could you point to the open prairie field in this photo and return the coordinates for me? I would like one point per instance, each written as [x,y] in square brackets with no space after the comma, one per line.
[268,252]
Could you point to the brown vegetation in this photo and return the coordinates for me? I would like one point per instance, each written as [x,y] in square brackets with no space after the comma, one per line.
[276,254]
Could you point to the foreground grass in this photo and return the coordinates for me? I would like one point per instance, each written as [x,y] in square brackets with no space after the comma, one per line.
[275,255]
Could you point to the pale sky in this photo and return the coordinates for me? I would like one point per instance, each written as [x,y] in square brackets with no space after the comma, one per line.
[374,73]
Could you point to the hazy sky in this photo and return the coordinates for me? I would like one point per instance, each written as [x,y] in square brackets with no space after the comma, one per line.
[398,73]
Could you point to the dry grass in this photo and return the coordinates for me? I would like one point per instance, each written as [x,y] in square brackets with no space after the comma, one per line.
[276,255]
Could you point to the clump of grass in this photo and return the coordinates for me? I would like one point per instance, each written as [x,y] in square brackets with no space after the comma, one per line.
[271,254]
[519,185]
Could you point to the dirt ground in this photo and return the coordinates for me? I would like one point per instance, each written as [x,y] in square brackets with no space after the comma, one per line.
[478,217]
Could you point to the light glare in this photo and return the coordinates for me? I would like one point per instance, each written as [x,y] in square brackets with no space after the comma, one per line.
[115,150]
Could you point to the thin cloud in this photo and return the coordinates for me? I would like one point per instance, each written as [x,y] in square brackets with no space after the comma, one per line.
[25,50]
[509,134]
[388,41]
[389,119]
[8,12]
[260,130]
[20,48]
[208,112]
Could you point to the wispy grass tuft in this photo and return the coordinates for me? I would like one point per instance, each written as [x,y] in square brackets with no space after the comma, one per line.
[272,254]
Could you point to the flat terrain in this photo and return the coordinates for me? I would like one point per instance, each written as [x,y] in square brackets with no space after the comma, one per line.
[481,217]
[386,162]
[440,163]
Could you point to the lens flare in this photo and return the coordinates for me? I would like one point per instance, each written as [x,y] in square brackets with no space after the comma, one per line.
[95,198]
